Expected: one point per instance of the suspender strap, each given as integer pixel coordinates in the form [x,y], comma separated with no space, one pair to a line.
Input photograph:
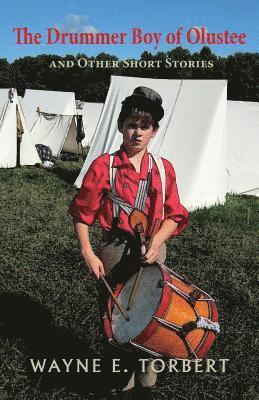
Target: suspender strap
[143,187]
[161,169]
[120,204]
[113,171]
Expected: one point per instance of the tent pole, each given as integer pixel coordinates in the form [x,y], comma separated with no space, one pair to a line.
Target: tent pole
[18,141]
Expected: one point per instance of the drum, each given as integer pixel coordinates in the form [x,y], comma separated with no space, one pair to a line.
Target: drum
[170,317]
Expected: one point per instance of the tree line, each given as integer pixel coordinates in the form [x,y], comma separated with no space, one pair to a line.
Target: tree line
[91,84]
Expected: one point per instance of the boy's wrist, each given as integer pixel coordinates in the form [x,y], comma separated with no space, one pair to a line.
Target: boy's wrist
[157,242]
[87,250]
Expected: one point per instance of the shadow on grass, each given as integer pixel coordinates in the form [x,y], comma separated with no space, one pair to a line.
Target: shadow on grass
[22,317]
[69,176]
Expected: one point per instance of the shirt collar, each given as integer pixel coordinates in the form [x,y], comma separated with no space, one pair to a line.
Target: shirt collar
[121,159]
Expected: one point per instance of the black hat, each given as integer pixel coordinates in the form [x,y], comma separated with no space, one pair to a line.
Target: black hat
[145,99]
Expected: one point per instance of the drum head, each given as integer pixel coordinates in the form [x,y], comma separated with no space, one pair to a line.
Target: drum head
[142,310]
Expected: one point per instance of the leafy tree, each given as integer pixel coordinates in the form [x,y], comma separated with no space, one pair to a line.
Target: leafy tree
[5,74]
[241,73]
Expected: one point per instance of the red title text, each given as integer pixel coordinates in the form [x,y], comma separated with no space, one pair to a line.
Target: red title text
[194,35]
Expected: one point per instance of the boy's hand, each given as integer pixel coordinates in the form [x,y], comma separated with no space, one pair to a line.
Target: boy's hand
[152,255]
[93,263]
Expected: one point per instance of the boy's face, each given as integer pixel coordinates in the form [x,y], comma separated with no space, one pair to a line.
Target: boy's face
[136,135]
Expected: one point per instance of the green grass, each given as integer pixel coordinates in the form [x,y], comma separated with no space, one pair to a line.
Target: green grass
[40,258]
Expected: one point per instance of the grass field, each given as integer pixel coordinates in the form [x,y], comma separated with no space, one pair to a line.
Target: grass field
[48,301]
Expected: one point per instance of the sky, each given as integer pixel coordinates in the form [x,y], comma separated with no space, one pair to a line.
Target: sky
[119,16]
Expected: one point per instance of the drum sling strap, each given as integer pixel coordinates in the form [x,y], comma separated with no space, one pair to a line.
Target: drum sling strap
[143,187]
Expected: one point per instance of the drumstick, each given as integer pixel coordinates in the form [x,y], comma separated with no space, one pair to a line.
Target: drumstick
[118,304]
[153,233]
[136,283]
[134,288]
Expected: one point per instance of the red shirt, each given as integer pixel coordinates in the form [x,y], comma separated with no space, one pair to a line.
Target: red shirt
[92,203]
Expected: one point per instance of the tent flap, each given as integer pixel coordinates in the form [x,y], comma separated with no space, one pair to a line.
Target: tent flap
[9,107]
[242,147]
[50,116]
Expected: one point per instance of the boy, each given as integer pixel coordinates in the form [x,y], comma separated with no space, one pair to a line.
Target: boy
[116,184]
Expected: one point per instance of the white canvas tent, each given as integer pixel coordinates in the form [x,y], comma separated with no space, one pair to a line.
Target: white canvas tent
[192,134]
[51,118]
[243,147]
[12,117]
[91,113]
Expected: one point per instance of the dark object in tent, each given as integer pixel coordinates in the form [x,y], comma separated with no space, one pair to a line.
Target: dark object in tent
[44,152]
[80,129]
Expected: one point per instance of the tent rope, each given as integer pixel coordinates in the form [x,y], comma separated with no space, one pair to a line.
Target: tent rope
[169,120]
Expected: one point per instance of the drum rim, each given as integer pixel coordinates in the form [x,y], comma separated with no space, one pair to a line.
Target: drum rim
[160,311]
[108,315]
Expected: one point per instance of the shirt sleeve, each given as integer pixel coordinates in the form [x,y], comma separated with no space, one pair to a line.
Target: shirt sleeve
[86,204]
[173,209]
